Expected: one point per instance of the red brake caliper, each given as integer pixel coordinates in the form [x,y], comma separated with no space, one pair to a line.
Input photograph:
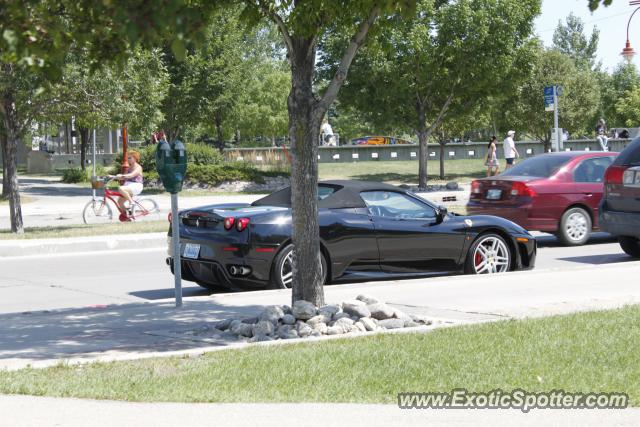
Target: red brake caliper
[478,259]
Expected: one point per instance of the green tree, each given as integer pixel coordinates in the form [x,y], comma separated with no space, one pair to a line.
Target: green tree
[21,102]
[262,107]
[614,88]
[571,41]
[443,63]
[524,109]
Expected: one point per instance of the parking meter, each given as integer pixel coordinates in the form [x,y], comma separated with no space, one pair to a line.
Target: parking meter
[171,164]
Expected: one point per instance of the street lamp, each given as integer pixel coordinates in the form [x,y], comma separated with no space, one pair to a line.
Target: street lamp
[628,53]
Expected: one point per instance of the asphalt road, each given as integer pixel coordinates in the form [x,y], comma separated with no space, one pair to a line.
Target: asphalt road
[50,282]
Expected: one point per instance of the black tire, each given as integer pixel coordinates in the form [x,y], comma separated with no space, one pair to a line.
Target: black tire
[630,245]
[497,260]
[280,268]
[575,227]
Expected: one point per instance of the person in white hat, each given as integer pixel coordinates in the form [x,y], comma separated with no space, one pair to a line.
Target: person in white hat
[510,152]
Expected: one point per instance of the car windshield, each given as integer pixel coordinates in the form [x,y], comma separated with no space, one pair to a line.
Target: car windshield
[539,166]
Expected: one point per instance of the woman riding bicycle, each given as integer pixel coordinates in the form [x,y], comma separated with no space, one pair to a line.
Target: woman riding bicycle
[132,185]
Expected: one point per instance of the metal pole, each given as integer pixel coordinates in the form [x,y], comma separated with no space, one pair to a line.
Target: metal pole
[175,236]
[94,161]
[125,139]
[555,116]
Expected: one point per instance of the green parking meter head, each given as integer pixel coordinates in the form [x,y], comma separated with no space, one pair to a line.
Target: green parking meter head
[179,152]
[166,166]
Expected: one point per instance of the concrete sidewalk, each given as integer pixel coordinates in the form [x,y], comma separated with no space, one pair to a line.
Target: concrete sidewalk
[130,331]
[28,411]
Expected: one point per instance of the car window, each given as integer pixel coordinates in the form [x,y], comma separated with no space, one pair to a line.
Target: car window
[396,205]
[325,191]
[630,155]
[591,170]
[539,166]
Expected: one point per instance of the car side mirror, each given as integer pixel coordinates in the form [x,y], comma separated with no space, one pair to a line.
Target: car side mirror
[441,213]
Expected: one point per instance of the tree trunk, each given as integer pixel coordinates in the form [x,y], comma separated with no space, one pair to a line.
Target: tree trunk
[423,139]
[442,160]
[10,154]
[219,133]
[5,185]
[304,129]
[84,142]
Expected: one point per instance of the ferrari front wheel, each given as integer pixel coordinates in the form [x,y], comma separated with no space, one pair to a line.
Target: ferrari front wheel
[488,254]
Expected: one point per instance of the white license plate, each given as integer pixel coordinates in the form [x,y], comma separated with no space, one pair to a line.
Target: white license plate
[494,194]
[191,250]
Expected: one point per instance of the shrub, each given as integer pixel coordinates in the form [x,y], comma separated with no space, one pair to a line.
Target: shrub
[74,175]
[199,154]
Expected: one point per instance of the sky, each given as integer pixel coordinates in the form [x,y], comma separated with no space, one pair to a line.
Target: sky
[611,21]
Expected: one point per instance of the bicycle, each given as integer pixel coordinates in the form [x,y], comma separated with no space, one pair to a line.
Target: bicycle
[99,210]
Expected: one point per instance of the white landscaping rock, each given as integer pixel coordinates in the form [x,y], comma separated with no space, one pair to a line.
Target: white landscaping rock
[360,326]
[341,315]
[288,319]
[321,328]
[356,308]
[329,310]
[304,310]
[273,313]
[303,329]
[320,318]
[368,324]
[263,327]
[367,299]
[380,311]
[391,323]
[239,328]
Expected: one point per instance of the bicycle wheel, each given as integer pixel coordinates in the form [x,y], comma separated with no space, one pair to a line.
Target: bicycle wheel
[97,212]
[146,210]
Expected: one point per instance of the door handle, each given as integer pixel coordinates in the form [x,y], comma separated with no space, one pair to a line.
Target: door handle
[588,194]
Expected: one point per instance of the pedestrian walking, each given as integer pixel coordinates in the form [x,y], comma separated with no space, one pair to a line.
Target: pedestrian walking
[491,161]
[601,135]
[510,151]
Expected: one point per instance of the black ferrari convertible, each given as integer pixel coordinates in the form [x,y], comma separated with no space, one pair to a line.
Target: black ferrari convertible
[365,228]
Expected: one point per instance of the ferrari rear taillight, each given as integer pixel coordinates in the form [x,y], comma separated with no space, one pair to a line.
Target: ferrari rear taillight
[228,223]
[521,189]
[242,223]
[169,217]
[613,174]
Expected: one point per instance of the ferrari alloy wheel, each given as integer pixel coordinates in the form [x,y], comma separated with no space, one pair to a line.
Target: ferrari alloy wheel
[488,254]
[575,227]
[282,272]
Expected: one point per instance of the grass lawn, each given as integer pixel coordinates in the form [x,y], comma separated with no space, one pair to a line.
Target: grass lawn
[82,230]
[403,171]
[595,351]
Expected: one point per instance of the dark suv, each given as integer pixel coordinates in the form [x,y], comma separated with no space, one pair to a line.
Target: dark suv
[620,205]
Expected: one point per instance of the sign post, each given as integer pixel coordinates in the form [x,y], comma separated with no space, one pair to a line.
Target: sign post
[551,94]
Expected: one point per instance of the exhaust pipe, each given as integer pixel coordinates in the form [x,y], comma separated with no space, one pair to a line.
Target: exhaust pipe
[244,271]
[169,260]
[234,270]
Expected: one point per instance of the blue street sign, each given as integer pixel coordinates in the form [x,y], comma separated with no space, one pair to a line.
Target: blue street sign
[548,91]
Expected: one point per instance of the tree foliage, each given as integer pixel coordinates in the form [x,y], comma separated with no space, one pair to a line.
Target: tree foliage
[524,110]
[570,39]
[444,61]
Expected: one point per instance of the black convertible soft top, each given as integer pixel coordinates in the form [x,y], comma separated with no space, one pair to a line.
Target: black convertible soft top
[346,194]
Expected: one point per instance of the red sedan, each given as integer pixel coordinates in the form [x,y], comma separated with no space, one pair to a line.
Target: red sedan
[556,193]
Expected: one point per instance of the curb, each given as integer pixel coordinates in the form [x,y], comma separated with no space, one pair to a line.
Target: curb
[17,248]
